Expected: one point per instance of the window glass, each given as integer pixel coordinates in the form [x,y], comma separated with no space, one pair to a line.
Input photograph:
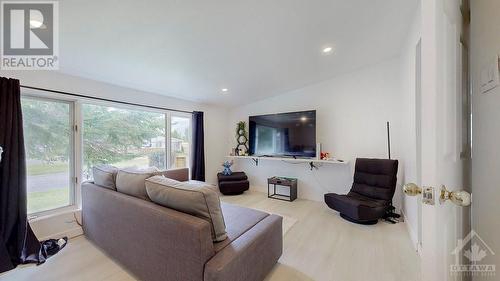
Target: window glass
[179,139]
[122,138]
[48,141]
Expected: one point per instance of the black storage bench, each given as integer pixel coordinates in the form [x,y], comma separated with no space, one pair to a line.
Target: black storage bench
[234,184]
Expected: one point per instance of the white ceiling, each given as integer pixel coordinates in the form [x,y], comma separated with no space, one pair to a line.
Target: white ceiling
[190,49]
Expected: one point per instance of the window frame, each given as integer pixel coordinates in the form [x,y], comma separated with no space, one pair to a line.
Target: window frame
[190,136]
[76,157]
[73,179]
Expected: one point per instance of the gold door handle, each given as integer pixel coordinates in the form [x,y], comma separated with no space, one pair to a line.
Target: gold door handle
[412,189]
[460,198]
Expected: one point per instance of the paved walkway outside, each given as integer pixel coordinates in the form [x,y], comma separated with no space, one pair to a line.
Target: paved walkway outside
[48,182]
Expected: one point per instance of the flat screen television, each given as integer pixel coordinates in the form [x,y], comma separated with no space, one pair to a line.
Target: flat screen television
[290,134]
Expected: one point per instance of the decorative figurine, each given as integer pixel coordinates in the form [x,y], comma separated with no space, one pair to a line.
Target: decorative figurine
[241,138]
[227,168]
[325,156]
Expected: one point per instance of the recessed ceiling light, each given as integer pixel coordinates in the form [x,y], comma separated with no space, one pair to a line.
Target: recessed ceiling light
[303,119]
[224,90]
[327,50]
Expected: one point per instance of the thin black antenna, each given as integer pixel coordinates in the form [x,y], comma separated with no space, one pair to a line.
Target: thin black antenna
[389,139]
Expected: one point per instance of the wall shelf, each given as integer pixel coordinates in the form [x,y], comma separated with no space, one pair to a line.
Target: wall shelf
[311,161]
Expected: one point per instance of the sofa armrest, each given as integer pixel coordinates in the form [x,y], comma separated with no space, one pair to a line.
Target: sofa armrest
[181,174]
[251,256]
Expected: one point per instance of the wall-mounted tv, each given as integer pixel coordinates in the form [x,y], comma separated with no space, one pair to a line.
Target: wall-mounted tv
[290,134]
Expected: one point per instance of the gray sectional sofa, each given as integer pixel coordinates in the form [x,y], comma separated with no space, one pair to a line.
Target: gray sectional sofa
[157,243]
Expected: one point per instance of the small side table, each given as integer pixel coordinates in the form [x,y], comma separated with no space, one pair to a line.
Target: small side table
[291,183]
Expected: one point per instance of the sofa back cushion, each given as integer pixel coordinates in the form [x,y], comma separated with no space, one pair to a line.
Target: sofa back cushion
[131,181]
[195,199]
[105,175]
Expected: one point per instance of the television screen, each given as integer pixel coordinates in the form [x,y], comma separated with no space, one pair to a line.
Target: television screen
[284,134]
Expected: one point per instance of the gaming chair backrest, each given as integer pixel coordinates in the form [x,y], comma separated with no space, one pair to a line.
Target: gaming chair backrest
[375,178]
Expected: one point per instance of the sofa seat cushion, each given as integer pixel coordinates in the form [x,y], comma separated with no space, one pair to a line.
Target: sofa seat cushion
[195,199]
[238,221]
[356,206]
[201,183]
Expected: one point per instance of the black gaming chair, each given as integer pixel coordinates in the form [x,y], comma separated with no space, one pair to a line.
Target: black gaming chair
[371,194]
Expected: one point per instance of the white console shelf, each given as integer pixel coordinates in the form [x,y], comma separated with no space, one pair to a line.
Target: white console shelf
[311,161]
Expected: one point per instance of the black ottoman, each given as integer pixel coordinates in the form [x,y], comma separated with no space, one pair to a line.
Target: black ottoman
[234,184]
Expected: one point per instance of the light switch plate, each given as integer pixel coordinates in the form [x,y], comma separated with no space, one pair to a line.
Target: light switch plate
[428,195]
[490,76]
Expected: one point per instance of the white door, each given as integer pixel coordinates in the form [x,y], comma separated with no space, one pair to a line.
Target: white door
[442,117]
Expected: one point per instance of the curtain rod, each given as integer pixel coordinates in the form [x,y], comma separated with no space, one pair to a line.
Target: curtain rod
[103,99]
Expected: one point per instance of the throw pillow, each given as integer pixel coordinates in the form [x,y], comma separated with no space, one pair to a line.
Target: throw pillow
[195,199]
[132,181]
[105,175]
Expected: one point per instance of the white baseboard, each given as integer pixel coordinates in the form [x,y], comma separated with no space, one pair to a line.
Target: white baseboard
[70,233]
[413,234]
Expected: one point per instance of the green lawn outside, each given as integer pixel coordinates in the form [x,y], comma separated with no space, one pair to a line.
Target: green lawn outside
[46,200]
[138,161]
[60,167]
[42,169]
[59,197]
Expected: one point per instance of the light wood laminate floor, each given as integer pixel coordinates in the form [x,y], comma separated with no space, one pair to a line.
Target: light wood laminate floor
[319,245]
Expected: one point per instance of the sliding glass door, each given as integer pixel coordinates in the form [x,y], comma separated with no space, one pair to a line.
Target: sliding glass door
[48,135]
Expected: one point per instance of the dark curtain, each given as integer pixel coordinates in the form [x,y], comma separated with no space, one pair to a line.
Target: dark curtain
[198,151]
[18,244]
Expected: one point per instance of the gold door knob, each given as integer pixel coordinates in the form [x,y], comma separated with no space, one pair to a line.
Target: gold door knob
[460,197]
[412,189]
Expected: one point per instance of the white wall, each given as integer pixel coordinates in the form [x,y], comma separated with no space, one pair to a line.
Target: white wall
[214,130]
[485,45]
[408,64]
[352,111]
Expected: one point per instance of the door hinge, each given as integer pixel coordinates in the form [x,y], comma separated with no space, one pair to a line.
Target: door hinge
[76,180]
[75,128]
